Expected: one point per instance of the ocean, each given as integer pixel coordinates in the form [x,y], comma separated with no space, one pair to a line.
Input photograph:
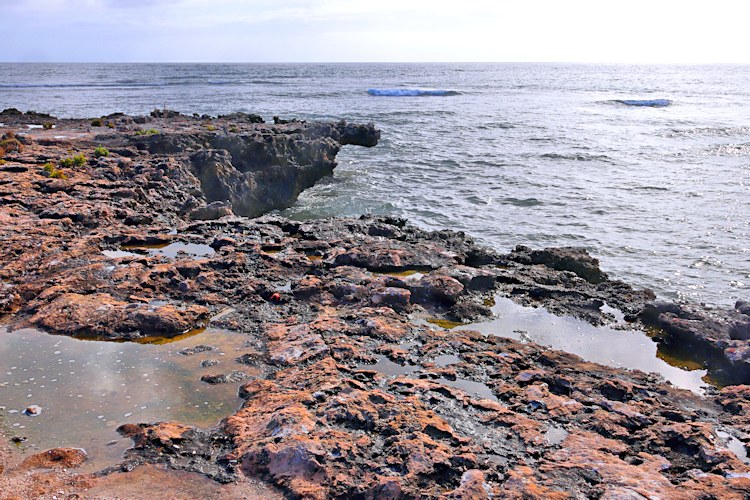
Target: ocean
[534,154]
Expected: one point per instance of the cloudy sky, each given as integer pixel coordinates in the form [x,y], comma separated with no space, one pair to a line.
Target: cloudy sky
[374,30]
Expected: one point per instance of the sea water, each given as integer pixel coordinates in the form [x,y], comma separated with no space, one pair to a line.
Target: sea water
[536,154]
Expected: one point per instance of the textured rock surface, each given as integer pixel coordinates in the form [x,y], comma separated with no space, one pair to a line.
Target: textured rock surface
[343,392]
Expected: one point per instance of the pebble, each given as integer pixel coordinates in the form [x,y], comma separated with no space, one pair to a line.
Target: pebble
[33,410]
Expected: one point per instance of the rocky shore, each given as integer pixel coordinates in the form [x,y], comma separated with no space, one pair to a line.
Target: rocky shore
[123,228]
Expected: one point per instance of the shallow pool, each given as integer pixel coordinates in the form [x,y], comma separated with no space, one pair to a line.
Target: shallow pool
[86,388]
[632,349]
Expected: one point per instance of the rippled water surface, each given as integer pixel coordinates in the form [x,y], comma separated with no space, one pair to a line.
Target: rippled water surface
[516,153]
[86,388]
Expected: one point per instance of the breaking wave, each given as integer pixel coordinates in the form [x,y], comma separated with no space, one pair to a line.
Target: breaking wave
[411,92]
[651,103]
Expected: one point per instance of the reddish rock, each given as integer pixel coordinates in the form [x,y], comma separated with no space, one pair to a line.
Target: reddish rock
[346,399]
[56,458]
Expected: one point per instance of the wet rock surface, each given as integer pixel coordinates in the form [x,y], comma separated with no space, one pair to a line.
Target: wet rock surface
[348,391]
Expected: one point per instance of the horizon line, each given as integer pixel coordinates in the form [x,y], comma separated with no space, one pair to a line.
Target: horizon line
[629,63]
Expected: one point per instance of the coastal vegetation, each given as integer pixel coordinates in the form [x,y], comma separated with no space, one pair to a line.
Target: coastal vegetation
[55,173]
[78,161]
[148,131]
[100,151]
[10,143]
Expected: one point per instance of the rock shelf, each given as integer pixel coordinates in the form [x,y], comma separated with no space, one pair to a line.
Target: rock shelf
[321,303]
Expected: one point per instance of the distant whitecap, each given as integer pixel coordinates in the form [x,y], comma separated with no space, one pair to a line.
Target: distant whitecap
[652,103]
[411,92]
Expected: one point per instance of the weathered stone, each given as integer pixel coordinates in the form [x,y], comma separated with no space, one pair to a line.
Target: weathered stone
[56,458]
[345,396]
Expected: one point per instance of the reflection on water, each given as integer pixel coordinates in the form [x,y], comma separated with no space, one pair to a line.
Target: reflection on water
[734,445]
[447,360]
[88,388]
[618,348]
[167,250]
[388,367]
[469,387]
[117,254]
[555,435]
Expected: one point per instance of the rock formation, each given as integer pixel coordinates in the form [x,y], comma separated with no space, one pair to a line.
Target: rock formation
[354,397]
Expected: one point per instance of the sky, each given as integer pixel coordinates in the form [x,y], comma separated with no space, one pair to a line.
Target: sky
[654,31]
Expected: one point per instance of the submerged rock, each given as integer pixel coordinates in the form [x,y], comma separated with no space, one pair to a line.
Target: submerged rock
[33,410]
[225,378]
[56,458]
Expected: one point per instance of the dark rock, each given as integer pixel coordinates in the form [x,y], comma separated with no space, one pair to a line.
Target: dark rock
[249,359]
[357,134]
[212,211]
[10,112]
[242,117]
[225,378]
[468,310]
[576,260]
[190,351]
[164,113]
[391,297]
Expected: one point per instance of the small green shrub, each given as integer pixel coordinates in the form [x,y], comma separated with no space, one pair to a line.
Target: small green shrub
[100,151]
[48,125]
[96,123]
[110,124]
[9,143]
[52,172]
[78,160]
[210,128]
[149,131]
[233,129]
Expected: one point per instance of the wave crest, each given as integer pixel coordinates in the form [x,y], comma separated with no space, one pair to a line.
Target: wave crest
[411,92]
[651,103]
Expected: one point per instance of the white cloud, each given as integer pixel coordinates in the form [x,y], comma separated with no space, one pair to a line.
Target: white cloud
[386,30]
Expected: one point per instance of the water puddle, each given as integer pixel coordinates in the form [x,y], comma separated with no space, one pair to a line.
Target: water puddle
[172,250]
[616,313]
[469,387]
[616,348]
[118,254]
[445,323]
[734,445]
[447,360]
[155,481]
[555,435]
[86,389]
[409,275]
[388,367]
